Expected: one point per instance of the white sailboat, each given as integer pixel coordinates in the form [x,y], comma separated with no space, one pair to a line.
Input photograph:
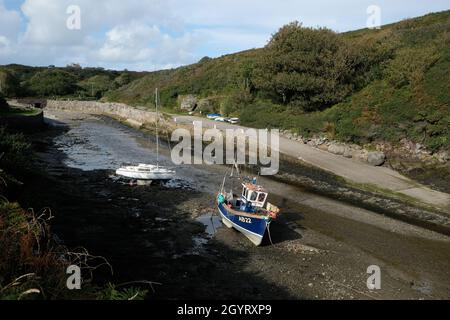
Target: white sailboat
[149,171]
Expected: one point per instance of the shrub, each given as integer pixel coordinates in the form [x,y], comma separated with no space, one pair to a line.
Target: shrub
[9,84]
[13,150]
[235,102]
[311,68]
[53,82]
[410,65]
[97,86]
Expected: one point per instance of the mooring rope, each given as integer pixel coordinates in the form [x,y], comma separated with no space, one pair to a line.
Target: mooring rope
[268,232]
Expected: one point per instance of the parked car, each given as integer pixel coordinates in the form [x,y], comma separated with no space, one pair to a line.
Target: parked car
[221,119]
[213,116]
[234,120]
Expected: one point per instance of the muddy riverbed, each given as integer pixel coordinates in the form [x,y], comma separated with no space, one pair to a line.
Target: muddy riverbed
[168,233]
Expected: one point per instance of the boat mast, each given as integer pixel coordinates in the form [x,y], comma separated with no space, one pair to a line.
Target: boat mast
[157,133]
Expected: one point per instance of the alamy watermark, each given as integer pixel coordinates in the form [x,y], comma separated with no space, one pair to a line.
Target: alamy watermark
[374,19]
[74,280]
[73,22]
[231,146]
[374,281]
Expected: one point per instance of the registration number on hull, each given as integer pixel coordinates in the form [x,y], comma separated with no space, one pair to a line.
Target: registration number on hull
[245,220]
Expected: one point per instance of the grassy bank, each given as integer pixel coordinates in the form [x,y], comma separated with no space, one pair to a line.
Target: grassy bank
[18,111]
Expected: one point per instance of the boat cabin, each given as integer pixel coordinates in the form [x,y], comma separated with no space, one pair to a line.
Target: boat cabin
[254,195]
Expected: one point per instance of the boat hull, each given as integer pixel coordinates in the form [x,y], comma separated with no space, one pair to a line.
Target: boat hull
[145,175]
[253,228]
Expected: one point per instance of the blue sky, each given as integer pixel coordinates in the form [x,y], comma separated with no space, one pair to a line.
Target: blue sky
[159,34]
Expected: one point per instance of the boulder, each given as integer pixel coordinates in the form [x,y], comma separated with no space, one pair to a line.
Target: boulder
[323,147]
[188,102]
[289,135]
[376,158]
[348,153]
[312,143]
[361,155]
[336,149]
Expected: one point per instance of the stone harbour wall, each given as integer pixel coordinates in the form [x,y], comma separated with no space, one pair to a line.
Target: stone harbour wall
[134,116]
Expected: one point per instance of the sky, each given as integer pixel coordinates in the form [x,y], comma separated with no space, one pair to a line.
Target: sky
[148,35]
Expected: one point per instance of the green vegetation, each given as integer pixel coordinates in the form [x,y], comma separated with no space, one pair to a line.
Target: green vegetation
[97,86]
[310,69]
[13,150]
[72,81]
[32,266]
[362,86]
[9,84]
[49,83]
[19,111]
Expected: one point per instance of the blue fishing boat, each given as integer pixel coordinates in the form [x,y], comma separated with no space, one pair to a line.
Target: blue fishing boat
[249,213]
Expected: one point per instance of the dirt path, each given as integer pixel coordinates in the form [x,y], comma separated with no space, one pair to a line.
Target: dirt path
[349,169]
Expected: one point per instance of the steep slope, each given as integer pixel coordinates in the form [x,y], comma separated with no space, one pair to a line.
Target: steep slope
[407,95]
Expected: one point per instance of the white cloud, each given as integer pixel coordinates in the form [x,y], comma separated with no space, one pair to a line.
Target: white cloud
[140,43]
[129,42]
[153,34]
[219,41]
[47,18]
[139,33]
[9,22]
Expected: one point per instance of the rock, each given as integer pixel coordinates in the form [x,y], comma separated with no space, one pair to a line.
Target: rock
[361,155]
[443,156]
[348,153]
[376,158]
[133,123]
[188,102]
[289,136]
[336,149]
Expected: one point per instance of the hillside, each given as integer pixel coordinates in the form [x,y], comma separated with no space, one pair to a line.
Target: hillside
[402,92]
[362,87]
[208,79]
[72,81]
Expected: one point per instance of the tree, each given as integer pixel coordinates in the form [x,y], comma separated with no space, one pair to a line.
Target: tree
[53,82]
[306,67]
[9,84]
